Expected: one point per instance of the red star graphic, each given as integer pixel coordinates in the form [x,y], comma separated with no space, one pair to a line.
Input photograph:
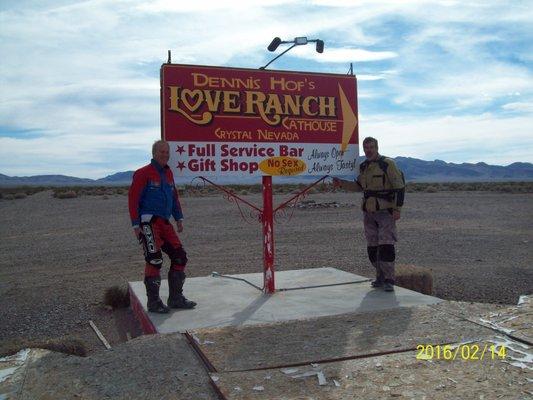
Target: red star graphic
[181,150]
[181,165]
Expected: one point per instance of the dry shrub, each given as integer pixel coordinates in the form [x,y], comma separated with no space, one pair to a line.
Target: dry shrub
[415,187]
[9,196]
[70,346]
[67,346]
[188,191]
[508,189]
[323,188]
[431,189]
[69,194]
[20,195]
[117,297]
[414,278]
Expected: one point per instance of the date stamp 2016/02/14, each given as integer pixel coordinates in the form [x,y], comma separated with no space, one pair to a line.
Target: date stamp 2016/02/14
[464,352]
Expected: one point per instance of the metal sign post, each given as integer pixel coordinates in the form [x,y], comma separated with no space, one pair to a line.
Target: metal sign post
[267,219]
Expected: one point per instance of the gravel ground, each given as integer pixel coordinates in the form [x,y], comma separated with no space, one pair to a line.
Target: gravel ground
[59,256]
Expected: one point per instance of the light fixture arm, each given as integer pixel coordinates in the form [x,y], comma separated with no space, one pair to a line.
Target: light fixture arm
[279,55]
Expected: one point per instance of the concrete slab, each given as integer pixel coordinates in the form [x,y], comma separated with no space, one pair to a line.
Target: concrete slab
[228,302]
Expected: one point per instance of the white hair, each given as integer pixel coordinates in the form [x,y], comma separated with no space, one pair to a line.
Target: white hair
[156,144]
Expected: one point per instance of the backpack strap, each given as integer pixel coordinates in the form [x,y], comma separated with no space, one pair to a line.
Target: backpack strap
[383,164]
[400,193]
[363,166]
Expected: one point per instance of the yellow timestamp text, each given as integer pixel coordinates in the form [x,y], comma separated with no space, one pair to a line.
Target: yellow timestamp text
[464,352]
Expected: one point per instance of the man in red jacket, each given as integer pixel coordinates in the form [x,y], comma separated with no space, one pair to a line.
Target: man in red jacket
[152,199]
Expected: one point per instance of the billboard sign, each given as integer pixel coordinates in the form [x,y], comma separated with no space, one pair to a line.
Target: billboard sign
[235,122]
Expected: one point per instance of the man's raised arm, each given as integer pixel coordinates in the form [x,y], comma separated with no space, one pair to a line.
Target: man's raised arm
[351,186]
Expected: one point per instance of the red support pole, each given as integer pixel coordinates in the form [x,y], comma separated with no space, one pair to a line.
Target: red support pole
[267,218]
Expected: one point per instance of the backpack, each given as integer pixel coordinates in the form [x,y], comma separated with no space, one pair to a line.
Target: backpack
[389,193]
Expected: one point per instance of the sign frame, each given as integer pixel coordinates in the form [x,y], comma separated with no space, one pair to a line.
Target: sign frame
[343,157]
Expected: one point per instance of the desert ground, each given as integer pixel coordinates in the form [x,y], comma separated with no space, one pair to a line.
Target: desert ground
[60,255]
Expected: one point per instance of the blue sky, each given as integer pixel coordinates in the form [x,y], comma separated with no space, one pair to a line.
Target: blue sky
[79,81]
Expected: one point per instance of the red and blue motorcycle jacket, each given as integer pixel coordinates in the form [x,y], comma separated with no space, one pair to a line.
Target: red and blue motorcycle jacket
[152,192]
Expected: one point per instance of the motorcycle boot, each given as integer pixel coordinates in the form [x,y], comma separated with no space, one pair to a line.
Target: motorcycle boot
[155,304]
[176,299]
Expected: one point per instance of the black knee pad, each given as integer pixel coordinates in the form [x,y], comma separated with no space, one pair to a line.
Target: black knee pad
[372,253]
[154,259]
[152,255]
[387,252]
[177,256]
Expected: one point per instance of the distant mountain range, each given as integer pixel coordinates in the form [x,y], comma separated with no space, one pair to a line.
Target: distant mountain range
[120,178]
[415,170]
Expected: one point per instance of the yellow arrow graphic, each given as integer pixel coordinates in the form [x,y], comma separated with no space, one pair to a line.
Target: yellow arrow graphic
[349,120]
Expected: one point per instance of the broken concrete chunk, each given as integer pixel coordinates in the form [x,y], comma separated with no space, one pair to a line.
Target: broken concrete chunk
[289,371]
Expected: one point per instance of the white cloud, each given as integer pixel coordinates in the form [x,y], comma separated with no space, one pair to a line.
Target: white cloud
[476,85]
[485,137]
[343,55]
[519,106]
[85,74]
[367,77]
[208,5]
[87,156]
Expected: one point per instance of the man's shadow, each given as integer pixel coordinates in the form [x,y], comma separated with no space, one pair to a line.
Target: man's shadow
[386,318]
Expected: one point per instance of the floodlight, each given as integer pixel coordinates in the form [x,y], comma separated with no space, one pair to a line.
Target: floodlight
[274,44]
[319,46]
[298,41]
